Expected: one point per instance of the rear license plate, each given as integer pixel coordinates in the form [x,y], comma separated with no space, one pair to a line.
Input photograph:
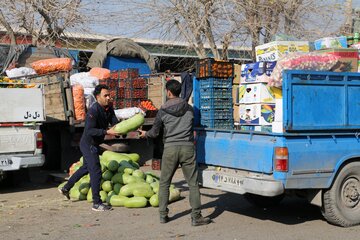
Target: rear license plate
[5,161]
[227,179]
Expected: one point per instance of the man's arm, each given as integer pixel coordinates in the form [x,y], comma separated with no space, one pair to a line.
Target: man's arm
[155,129]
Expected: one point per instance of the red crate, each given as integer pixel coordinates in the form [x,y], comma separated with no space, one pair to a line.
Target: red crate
[111,83]
[114,75]
[131,93]
[126,103]
[132,83]
[129,73]
[113,94]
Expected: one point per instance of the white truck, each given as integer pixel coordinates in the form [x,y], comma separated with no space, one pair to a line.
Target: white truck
[22,111]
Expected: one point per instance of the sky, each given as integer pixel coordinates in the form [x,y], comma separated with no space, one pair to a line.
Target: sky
[109,10]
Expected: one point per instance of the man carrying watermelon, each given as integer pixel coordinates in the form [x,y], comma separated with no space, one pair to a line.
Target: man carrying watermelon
[98,118]
[176,118]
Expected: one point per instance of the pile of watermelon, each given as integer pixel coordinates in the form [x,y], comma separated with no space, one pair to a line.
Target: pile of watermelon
[123,183]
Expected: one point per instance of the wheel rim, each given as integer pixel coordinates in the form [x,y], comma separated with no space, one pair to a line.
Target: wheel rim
[350,192]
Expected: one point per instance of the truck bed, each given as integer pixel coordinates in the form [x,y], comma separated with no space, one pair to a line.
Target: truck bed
[321,132]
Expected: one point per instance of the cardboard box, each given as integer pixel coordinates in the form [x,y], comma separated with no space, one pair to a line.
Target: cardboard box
[278,109]
[256,114]
[348,61]
[277,127]
[256,72]
[272,51]
[331,42]
[237,73]
[258,93]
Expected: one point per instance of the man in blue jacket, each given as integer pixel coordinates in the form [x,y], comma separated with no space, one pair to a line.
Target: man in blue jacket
[98,118]
[176,117]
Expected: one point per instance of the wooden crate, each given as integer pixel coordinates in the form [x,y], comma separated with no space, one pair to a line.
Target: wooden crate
[58,96]
[156,92]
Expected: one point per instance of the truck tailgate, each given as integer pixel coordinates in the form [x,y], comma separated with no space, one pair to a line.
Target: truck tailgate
[22,105]
[17,140]
[235,149]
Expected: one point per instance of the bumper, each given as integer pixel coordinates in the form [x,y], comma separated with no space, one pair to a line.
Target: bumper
[240,182]
[17,162]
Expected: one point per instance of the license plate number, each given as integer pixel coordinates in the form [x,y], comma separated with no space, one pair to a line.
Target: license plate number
[5,161]
[226,179]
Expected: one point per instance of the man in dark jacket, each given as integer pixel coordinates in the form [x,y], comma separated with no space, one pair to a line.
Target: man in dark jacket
[98,118]
[176,117]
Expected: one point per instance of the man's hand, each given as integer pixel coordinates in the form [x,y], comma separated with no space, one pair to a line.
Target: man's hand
[142,134]
[112,132]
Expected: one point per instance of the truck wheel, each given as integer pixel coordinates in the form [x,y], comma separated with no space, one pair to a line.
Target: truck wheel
[263,201]
[341,203]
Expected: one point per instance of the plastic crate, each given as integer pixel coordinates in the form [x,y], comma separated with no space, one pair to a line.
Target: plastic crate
[216,83]
[111,83]
[132,93]
[125,74]
[215,93]
[126,103]
[215,103]
[133,83]
[210,67]
[219,124]
[225,113]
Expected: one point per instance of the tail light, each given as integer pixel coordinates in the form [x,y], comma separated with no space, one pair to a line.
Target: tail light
[281,159]
[39,142]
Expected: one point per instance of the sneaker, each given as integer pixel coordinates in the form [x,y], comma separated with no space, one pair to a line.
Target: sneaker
[164,219]
[65,192]
[101,207]
[200,221]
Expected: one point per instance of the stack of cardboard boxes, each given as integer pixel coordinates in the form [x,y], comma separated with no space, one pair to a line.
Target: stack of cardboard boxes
[260,106]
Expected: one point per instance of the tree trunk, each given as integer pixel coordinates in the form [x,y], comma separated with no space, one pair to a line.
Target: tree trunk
[8,28]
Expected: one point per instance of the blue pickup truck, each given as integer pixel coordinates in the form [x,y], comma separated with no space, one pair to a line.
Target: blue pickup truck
[316,156]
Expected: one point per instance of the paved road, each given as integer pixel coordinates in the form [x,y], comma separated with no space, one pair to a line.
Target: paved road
[36,211]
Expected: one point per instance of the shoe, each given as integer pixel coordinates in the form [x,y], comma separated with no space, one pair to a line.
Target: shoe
[164,219]
[101,207]
[65,192]
[200,221]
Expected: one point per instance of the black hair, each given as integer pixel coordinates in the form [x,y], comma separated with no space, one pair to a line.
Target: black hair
[98,89]
[174,87]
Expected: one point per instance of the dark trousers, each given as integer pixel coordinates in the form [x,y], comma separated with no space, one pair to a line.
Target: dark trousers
[91,165]
[172,157]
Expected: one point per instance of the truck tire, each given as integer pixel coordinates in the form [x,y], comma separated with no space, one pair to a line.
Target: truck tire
[263,201]
[341,203]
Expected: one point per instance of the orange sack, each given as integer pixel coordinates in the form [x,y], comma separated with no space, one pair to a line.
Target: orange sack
[52,65]
[79,102]
[100,73]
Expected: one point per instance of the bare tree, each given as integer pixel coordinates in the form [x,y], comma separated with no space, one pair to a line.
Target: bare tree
[205,24]
[44,20]
[295,19]
[346,28]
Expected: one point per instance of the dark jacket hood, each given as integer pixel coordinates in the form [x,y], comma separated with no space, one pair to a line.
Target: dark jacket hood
[176,107]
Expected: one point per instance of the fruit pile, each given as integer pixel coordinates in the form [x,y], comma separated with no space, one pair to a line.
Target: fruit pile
[123,184]
[149,108]
[12,83]
[147,105]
